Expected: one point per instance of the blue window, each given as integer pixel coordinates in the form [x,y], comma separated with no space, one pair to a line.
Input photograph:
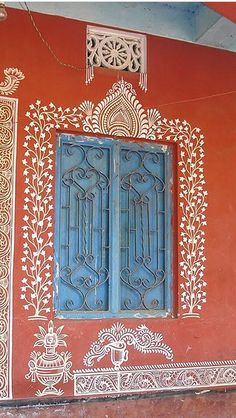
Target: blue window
[113,255]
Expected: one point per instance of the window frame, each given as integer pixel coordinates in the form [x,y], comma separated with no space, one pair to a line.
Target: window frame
[114,286]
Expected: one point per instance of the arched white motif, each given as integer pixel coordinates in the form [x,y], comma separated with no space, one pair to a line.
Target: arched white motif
[13,76]
[119,114]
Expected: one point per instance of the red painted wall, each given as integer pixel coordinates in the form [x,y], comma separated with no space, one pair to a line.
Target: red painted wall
[227,9]
[177,72]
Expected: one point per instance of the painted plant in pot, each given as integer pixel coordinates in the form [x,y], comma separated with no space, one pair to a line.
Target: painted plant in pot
[50,367]
[117,339]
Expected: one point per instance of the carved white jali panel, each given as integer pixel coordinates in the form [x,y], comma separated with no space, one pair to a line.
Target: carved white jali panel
[118,114]
[8,115]
[116,50]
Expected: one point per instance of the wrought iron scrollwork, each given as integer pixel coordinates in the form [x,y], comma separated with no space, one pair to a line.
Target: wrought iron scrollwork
[85,231]
[90,196]
[142,227]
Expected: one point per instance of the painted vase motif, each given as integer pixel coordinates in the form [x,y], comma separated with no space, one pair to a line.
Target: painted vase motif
[117,339]
[50,367]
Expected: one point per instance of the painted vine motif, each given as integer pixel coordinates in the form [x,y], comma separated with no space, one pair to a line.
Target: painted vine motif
[119,114]
[192,201]
[36,290]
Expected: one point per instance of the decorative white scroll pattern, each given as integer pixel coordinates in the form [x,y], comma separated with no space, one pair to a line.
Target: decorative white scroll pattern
[8,115]
[50,367]
[36,290]
[118,114]
[13,77]
[121,114]
[116,50]
[117,339]
[155,378]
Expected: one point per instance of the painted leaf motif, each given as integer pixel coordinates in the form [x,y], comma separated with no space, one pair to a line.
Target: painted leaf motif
[38,343]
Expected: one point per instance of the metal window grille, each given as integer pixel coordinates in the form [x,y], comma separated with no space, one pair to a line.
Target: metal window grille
[113,228]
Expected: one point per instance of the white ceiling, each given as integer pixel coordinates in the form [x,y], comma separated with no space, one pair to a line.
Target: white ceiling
[189,21]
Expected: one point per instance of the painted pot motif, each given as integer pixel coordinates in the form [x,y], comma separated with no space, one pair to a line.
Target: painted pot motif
[50,367]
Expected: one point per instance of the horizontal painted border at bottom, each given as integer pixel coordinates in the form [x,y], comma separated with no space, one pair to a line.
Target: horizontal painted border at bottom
[156,378]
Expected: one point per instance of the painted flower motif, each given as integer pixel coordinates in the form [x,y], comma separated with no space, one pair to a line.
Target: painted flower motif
[50,338]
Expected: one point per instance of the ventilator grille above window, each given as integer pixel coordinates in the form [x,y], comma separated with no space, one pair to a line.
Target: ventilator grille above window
[117,50]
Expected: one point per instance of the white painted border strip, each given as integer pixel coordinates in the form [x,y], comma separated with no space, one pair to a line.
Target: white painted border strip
[12,248]
[11,174]
[156,378]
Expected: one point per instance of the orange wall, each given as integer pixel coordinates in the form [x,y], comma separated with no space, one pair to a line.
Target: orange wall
[177,71]
[227,9]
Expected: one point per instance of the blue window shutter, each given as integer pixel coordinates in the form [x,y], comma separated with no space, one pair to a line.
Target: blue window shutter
[84,226]
[113,228]
[142,214]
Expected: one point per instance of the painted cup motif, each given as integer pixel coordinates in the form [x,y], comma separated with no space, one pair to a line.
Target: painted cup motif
[119,354]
